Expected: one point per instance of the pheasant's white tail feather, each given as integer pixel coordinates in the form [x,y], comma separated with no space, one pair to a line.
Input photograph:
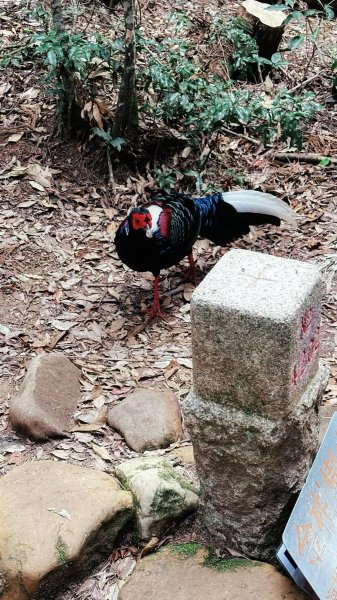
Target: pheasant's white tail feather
[250,201]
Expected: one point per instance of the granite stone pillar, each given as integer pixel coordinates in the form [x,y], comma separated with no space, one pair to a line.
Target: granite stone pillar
[257,383]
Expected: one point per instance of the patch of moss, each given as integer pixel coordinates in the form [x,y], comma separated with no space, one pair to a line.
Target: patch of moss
[123,480]
[146,467]
[167,472]
[188,549]
[228,564]
[211,560]
[61,550]
[166,501]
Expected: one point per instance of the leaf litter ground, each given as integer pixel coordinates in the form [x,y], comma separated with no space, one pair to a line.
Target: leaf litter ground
[62,285]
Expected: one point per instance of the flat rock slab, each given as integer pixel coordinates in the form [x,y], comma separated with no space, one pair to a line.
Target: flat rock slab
[56,520]
[148,419]
[45,405]
[173,575]
[184,454]
[161,494]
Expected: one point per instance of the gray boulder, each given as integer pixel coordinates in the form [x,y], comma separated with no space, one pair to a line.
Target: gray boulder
[161,494]
[148,419]
[56,520]
[47,400]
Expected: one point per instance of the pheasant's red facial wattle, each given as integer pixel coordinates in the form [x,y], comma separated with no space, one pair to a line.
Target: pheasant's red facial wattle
[141,220]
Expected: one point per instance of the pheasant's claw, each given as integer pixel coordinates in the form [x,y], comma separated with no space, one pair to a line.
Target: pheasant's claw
[155,312]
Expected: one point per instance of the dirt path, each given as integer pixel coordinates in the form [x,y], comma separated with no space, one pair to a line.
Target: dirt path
[62,285]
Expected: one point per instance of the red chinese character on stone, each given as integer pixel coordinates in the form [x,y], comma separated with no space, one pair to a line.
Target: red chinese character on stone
[294,376]
[311,349]
[304,361]
[306,321]
[316,338]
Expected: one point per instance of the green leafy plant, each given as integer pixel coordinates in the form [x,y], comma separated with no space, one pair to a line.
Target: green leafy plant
[325,161]
[179,93]
[325,10]
[180,20]
[287,112]
[244,55]
[110,141]
[76,53]
[304,16]
[166,178]
[237,177]
[16,57]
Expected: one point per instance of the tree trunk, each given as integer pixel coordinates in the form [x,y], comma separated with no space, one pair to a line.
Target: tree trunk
[56,11]
[70,109]
[126,116]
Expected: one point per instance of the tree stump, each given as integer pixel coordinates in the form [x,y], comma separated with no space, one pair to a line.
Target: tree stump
[263,25]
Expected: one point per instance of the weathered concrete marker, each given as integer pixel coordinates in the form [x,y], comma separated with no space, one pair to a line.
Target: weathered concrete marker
[257,384]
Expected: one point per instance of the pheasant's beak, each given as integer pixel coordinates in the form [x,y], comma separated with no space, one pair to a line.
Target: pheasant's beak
[148,231]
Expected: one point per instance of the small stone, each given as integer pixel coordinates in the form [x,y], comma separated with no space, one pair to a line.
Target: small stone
[55,521]
[148,419]
[187,571]
[45,405]
[161,494]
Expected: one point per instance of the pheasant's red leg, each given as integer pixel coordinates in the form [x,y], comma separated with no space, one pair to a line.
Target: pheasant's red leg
[192,272]
[155,310]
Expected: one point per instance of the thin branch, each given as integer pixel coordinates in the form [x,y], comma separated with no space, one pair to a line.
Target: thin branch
[111,175]
[310,158]
[90,232]
[313,52]
[242,135]
[305,82]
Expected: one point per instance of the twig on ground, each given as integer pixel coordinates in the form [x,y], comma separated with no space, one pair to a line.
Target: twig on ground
[312,159]
[304,83]
[243,135]
[90,232]
[111,175]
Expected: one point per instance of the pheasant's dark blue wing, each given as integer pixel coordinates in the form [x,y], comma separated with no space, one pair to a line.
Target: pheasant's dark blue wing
[218,219]
[228,215]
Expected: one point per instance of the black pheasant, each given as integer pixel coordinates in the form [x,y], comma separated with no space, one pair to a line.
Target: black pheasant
[159,234]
